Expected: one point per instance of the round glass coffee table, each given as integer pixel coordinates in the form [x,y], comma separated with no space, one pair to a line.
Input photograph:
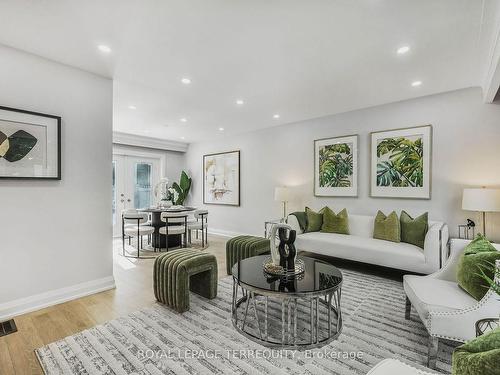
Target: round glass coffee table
[296,312]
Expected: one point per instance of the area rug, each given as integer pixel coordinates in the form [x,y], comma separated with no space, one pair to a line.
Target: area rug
[158,340]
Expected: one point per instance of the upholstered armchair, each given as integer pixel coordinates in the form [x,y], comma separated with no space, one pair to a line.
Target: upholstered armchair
[447,311]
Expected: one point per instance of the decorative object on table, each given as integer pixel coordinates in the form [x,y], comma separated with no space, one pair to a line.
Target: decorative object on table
[221,178]
[482,200]
[467,231]
[241,247]
[287,250]
[282,194]
[30,145]
[478,356]
[268,225]
[486,325]
[273,238]
[336,166]
[177,272]
[162,193]
[401,163]
[283,260]
[181,189]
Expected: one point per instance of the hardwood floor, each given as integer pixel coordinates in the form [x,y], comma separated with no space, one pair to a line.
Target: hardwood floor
[133,291]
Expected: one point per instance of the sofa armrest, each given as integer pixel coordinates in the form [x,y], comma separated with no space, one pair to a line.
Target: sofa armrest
[460,325]
[294,223]
[435,245]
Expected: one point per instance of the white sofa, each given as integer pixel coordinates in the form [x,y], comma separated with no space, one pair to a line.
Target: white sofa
[360,245]
[447,311]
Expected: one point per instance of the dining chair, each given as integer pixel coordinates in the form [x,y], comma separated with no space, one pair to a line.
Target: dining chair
[175,223]
[200,224]
[133,225]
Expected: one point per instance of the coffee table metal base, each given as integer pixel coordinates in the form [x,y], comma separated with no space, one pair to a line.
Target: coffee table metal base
[319,316]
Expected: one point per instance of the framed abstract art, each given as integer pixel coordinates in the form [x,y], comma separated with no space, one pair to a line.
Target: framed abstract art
[336,166]
[30,145]
[401,163]
[221,178]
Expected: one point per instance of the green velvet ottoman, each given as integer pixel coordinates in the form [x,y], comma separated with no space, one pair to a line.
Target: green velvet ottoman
[242,247]
[480,356]
[177,272]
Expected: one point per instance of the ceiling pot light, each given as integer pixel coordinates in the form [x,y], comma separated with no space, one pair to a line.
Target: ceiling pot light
[183,138]
[104,48]
[416,83]
[186,80]
[402,50]
[240,102]
[183,119]
[276,116]
[132,107]
[221,129]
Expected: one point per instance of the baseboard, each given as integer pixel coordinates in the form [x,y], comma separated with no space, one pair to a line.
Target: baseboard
[227,233]
[39,301]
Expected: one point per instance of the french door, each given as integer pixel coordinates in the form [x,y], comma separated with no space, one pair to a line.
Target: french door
[134,179]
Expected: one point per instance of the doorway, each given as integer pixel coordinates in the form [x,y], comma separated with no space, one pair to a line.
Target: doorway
[134,178]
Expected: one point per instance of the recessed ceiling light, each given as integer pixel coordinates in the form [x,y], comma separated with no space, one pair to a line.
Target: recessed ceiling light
[186,80]
[183,137]
[402,50]
[104,48]
[276,116]
[221,129]
[416,83]
[183,119]
[240,102]
[132,107]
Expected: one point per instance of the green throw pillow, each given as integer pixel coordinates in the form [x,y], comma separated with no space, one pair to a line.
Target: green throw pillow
[301,218]
[413,231]
[478,356]
[335,223]
[314,220]
[478,255]
[387,227]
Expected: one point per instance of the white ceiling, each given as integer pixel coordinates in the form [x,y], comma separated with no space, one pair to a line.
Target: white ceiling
[299,58]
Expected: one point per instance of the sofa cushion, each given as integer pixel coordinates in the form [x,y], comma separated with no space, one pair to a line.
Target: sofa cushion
[387,227]
[314,220]
[414,230]
[335,223]
[479,255]
[431,294]
[362,249]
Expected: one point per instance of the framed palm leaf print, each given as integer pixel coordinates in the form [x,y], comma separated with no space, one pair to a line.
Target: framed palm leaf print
[401,163]
[336,166]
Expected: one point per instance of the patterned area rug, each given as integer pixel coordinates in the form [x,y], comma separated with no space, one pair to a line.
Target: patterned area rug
[157,340]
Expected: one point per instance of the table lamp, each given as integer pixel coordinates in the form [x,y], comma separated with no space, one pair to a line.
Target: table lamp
[482,200]
[282,194]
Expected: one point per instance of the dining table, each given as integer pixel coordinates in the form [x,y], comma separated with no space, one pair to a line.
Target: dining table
[160,240]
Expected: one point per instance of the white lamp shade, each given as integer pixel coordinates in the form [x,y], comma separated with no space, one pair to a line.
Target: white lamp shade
[484,200]
[281,194]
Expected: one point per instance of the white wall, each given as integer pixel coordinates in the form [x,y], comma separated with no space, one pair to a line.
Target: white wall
[466,152]
[56,235]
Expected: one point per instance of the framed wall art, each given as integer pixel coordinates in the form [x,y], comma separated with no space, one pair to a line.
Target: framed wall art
[401,163]
[30,145]
[336,166]
[221,178]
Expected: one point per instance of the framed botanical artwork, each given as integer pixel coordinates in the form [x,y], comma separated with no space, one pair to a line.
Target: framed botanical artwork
[336,166]
[221,178]
[401,163]
[30,145]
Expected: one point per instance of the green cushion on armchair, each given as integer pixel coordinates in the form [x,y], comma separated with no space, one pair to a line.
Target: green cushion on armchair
[387,227]
[479,255]
[478,356]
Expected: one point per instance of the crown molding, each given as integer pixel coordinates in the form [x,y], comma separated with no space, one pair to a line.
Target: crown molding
[148,142]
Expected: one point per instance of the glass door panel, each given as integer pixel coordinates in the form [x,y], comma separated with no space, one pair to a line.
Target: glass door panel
[142,186]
